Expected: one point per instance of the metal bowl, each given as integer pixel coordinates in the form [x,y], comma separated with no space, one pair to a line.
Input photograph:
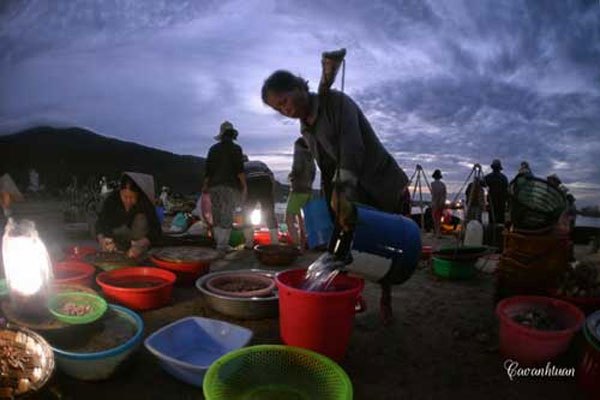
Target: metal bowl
[237,307]
[34,372]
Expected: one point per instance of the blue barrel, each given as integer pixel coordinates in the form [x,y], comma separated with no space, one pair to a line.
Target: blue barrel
[388,235]
[318,223]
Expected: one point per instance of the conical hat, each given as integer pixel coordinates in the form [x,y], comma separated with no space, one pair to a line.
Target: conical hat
[145,182]
[8,185]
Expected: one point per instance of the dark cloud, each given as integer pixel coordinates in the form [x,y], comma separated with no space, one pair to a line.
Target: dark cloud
[445,83]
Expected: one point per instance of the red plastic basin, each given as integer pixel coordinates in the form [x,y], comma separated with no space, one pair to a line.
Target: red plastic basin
[139,288]
[186,272]
[73,272]
[530,346]
[78,252]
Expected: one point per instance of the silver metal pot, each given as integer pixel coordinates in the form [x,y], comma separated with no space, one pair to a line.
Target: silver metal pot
[237,307]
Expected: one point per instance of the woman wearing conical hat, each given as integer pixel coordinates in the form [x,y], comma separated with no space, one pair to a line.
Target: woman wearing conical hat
[128,220]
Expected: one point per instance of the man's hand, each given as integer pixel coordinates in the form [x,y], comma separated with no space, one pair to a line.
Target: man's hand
[344,210]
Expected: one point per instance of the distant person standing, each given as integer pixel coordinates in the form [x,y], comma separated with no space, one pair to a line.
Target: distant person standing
[301,180]
[261,183]
[497,184]
[225,180]
[438,200]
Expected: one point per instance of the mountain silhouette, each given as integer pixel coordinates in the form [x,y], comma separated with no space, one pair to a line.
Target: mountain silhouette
[59,154]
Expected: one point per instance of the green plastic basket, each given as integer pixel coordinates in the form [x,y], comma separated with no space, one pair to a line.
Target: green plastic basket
[453,269]
[275,372]
[97,303]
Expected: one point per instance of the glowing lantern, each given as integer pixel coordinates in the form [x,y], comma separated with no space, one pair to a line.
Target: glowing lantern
[255,217]
[27,267]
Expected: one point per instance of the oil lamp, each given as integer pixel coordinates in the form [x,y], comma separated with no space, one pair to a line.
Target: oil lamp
[28,270]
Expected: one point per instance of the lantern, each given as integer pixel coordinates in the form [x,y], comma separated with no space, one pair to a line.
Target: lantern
[28,269]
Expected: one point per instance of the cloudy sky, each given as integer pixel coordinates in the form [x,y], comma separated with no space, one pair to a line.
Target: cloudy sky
[445,83]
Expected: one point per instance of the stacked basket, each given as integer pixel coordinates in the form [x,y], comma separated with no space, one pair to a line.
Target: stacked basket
[534,254]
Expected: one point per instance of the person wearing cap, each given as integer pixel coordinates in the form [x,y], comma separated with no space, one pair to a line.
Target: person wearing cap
[224,179]
[355,166]
[128,221]
[497,185]
[438,200]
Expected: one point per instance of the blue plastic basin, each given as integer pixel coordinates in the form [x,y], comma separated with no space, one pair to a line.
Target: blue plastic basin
[188,347]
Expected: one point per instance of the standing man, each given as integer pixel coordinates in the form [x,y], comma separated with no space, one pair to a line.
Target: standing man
[260,182]
[438,200]
[224,179]
[348,153]
[301,179]
[497,185]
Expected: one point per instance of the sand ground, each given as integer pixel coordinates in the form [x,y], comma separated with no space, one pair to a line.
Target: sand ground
[442,345]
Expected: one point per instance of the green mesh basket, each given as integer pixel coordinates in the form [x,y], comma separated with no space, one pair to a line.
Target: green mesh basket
[535,204]
[275,372]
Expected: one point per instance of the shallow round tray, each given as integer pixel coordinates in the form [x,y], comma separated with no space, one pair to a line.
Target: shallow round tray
[48,323]
[184,254]
[214,284]
[241,308]
[108,261]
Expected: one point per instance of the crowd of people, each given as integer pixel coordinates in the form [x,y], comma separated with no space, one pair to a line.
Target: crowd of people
[497,200]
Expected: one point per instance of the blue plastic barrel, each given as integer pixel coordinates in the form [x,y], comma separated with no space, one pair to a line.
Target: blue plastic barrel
[388,235]
[318,223]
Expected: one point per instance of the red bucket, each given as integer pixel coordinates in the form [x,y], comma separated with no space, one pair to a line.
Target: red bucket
[531,346]
[589,369]
[73,272]
[318,321]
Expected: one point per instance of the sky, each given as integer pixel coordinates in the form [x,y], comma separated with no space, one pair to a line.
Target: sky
[445,84]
